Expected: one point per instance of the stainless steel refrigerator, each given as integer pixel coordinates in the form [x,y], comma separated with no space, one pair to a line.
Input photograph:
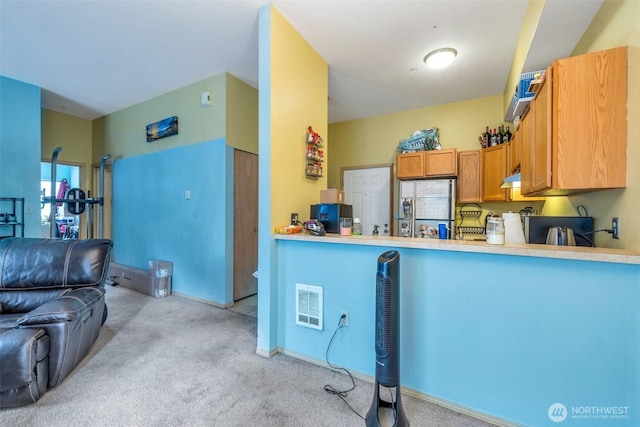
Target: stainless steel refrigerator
[424,204]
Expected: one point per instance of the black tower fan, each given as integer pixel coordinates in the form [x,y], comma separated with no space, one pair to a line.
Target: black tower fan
[387,341]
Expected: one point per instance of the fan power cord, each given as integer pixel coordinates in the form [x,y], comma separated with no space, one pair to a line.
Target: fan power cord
[341,394]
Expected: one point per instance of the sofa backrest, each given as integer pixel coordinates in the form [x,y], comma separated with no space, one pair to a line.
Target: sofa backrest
[38,264]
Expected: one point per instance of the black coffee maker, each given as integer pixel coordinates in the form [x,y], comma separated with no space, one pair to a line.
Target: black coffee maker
[329,215]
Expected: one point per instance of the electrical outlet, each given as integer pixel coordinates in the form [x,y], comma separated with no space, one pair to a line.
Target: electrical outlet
[615,225]
[345,320]
[294,218]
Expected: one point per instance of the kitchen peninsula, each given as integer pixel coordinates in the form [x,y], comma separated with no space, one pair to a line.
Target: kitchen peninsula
[581,253]
[500,332]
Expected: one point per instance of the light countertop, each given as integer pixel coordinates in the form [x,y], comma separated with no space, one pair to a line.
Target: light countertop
[580,253]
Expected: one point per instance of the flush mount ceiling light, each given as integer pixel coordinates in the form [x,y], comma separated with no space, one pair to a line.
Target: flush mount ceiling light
[440,58]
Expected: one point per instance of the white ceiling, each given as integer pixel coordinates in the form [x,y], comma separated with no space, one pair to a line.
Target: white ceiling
[94,57]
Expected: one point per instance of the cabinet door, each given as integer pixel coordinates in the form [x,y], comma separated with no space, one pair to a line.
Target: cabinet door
[410,165]
[469,177]
[494,171]
[515,154]
[541,143]
[526,145]
[590,120]
[441,162]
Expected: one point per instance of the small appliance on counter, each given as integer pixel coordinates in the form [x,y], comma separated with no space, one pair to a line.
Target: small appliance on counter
[536,229]
[561,236]
[329,214]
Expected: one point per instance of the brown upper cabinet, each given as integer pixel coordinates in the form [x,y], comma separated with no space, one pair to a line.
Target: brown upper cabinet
[427,164]
[574,138]
[494,171]
[475,176]
[469,181]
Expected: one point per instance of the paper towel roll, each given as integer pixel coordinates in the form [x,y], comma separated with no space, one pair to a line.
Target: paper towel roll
[513,232]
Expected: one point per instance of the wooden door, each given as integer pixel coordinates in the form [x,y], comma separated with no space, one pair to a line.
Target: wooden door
[245,224]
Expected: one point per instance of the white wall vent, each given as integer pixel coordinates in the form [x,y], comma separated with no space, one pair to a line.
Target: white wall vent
[309,306]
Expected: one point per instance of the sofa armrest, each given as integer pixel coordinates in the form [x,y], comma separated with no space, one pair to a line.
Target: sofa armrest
[24,366]
[73,322]
[65,308]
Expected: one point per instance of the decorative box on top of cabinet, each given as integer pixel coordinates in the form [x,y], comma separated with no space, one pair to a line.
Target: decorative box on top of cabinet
[578,126]
[427,164]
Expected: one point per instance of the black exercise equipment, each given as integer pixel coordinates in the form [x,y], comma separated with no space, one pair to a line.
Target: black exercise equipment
[76,199]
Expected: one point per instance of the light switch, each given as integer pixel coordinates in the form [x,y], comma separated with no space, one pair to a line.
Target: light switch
[205,99]
[187,194]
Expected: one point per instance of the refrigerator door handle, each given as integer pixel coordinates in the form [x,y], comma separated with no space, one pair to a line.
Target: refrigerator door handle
[412,232]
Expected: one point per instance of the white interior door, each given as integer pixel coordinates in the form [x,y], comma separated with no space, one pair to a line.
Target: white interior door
[368,190]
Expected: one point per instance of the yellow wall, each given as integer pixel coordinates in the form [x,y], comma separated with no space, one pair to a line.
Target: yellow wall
[242,115]
[374,140]
[299,90]
[73,135]
[122,134]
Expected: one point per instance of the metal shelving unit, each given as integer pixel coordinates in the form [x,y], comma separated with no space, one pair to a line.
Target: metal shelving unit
[470,212]
[12,219]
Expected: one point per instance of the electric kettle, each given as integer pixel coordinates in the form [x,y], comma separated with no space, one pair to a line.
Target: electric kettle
[562,236]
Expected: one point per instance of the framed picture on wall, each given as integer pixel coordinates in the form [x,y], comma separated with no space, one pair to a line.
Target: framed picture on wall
[162,129]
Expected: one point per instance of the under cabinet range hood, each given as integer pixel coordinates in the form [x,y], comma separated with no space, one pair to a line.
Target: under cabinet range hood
[511,181]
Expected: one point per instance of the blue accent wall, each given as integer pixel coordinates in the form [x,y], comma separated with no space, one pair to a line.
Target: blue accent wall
[504,335]
[20,137]
[153,220]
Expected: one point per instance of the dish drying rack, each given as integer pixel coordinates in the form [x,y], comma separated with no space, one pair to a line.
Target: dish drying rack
[470,212]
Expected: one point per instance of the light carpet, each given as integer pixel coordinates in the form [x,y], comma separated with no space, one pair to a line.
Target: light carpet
[178,362]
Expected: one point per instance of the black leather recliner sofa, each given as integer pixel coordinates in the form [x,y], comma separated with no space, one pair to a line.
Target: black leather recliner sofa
[51,310]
